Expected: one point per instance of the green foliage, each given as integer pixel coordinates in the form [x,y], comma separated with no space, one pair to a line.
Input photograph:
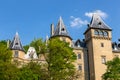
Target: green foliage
[26,47]
[59,57]
[113,70]
[39,45]
[32,71]
[5,53]
[60,60]
[8,71]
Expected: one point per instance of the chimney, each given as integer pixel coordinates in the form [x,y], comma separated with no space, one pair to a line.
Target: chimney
[52,29]
[8,43]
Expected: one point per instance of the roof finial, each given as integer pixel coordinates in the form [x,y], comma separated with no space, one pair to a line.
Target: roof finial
[60,18]
[16,33]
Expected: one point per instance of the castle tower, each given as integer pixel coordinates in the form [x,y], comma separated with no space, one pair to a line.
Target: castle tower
[60,31]
[17,48]
[99,48]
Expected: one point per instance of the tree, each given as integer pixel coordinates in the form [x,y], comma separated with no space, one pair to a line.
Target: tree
[39,45]
[5,53]
[8,71]
[32,71]
[60,59]
[26,47]
[113,70]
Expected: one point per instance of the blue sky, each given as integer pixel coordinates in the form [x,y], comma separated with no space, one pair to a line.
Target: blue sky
[32,18]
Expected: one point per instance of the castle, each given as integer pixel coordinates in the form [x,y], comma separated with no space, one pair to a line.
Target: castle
[92,52]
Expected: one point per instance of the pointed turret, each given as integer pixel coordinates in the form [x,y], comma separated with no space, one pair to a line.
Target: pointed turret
[97,22]
[60,29]
[16,43]
[61,32]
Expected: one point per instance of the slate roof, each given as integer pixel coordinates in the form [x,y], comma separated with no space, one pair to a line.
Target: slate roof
[116,46]
[97,22]
[78,43]
[60,29]
[16,43]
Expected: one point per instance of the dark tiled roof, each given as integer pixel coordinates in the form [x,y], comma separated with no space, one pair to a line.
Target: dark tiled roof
[97,22]
[79,43]
[116,46]
[16,44]
[60,29]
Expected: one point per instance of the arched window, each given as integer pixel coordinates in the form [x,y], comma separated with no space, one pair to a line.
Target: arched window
[100,33]
[105,33]
[96,32]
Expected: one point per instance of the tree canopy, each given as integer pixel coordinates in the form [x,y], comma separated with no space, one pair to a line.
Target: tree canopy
[5,53]
[113,70]
[59,58]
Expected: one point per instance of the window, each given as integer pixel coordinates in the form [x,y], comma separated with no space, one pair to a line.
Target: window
[16,54]
[100,33]
[99,23]
[102,44]
[16,43]
[119,45]
[64,39]
[79,56]
[96,32]
[103,58]
[80,67]
[62,29]
[105,33]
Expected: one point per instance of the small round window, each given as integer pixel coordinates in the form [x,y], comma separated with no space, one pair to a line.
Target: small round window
[105,33]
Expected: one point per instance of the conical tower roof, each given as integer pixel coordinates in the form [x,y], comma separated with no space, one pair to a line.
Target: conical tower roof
[16,43]
[60,28]
[97,22]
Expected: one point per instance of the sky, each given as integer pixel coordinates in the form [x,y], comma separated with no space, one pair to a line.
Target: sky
[32,18]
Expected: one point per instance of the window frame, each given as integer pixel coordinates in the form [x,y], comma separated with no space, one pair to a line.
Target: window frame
[79,67]
[103,59]
[79,56]
[105,34]
[16,54]
[100,32]
[96,32]
[102,44]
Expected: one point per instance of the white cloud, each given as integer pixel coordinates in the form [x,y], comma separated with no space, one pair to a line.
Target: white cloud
[77,22]
[99,12]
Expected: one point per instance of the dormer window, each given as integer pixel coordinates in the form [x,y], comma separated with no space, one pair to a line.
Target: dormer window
[62,29]
[16,43]
[99,23]
[118,45]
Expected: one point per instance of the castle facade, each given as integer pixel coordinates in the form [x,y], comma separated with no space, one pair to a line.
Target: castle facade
[92,53]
